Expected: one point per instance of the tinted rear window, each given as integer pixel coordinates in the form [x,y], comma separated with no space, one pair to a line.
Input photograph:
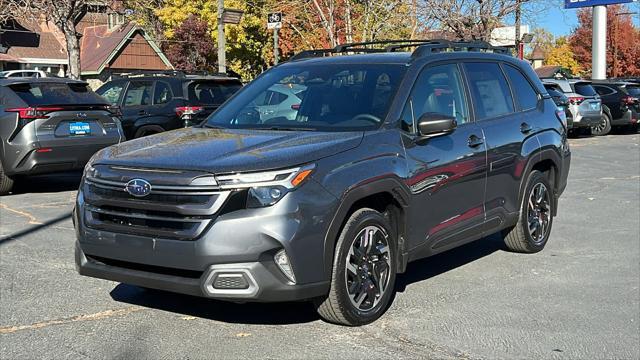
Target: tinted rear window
[212,92]
[584,89]
[35,94]
[633,90]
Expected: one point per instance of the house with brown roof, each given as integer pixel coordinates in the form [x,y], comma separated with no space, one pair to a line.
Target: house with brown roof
[108,46]
[537,57]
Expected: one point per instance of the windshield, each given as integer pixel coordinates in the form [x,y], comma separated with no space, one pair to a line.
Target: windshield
[328,97]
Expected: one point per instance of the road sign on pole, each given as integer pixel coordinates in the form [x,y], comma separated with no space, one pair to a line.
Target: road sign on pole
[573,4]
[274,20]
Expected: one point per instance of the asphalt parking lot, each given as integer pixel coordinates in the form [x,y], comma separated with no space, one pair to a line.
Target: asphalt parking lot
[579,298]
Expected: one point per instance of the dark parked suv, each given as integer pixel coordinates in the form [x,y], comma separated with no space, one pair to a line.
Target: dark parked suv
[153,103]
[620,105]
[49,125]
[391,157]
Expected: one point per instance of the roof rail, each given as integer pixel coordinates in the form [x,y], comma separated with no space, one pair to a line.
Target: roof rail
[173,73]
[445,45]
[423,48]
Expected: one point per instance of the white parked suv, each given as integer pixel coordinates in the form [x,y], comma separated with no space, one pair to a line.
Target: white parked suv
[23,73]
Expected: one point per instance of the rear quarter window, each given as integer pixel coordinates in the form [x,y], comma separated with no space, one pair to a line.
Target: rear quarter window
[35,94]
[584,89]
[525,95]
[633,90]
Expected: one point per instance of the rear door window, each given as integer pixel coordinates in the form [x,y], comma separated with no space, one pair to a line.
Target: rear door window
[212,92]
[138,93]
[162,93]
[489,90]
[584,89]
[50,93]
[525,95]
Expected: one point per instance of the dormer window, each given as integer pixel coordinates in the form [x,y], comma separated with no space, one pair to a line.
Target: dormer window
[115,20]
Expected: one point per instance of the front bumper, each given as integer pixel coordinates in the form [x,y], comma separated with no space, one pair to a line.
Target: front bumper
[238,243]
[266,285]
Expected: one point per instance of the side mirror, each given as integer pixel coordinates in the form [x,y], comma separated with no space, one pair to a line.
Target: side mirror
[432,124]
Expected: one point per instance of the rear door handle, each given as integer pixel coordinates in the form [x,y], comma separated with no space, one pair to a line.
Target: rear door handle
[142,112]
[474,141]
[525,128]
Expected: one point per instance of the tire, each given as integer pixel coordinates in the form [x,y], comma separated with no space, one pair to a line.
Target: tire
[520,238]
[148,130]
[6,183]
[339,307]
[604,127]
[633,128]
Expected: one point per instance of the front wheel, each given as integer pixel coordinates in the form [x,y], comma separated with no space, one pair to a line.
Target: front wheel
[363,276]
[603,127]
[532,231]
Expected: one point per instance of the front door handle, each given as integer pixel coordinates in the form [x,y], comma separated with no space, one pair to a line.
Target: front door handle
[525,128]
[474,141]
[142,112]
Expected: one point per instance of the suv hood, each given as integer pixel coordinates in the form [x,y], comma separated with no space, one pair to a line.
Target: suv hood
[227,150]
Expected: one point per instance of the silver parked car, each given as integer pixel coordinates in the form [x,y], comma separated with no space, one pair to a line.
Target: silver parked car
[49,125]
[584,103]
[280,102]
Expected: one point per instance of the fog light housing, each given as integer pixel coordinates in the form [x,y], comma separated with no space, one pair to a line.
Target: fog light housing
[282,260]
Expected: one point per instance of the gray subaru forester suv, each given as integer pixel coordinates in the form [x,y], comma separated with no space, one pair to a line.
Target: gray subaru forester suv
[391,157]
[49,125]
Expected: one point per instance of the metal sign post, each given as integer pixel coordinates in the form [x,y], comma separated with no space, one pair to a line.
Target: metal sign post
[274,21]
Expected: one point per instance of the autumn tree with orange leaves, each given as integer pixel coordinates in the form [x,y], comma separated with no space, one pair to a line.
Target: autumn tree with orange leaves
[623,42]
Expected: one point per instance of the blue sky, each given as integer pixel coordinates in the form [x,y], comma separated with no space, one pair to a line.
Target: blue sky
[560,21]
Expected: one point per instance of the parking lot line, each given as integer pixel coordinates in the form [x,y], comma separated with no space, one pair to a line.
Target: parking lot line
[88,317]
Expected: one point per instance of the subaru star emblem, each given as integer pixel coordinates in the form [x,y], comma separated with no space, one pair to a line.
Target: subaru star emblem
[81,115]
[138,187]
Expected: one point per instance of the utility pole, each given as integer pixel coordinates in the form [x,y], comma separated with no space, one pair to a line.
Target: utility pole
[599,43]
[518,35]
[222,58]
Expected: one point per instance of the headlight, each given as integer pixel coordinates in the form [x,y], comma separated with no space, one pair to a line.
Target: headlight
[268,187]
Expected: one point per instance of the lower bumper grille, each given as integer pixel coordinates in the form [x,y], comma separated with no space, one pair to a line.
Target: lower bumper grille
[192,274]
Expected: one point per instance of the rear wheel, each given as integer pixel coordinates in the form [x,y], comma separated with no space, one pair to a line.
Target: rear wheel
[363,276]
[603,127]
[6,183]
[148,130]
[532,231]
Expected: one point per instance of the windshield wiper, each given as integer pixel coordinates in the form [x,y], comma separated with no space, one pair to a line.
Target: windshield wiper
[284,128]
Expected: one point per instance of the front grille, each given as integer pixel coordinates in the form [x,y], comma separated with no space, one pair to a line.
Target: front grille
[179,212]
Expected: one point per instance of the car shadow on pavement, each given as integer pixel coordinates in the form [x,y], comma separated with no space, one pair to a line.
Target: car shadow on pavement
[244,313]
[50,183]
[438,264]
[294,312]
